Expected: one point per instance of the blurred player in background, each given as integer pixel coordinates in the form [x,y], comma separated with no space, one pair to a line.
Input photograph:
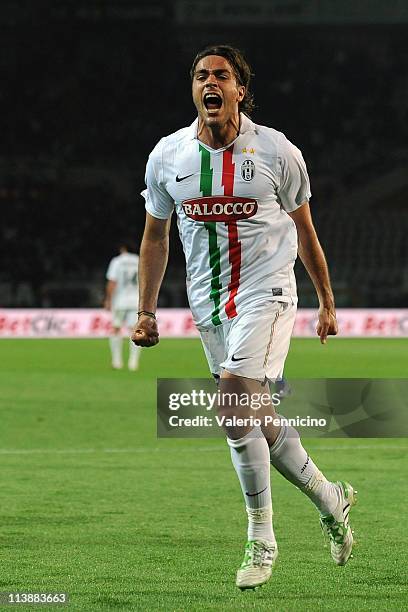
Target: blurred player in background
[241,194]
[121,298]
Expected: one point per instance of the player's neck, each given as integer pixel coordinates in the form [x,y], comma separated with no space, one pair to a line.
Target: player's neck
[218,136]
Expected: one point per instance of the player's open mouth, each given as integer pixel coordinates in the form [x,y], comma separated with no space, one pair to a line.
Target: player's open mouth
[212,101]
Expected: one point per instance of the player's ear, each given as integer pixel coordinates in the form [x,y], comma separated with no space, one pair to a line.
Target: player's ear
[241,93]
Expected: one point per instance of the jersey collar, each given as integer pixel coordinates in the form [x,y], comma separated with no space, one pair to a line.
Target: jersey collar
[247,125]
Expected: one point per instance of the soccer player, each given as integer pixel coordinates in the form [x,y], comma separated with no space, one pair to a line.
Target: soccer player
[121,298]
[241,195]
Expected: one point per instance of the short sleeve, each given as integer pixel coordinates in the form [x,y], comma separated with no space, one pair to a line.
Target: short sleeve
[112,272]
[158,202]
[294,186]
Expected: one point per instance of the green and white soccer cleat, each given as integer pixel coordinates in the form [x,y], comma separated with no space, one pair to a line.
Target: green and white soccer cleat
[336,526]
[256,568]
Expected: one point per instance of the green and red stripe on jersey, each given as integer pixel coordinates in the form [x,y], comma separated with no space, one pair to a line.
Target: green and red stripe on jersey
[234,245]
[206,178]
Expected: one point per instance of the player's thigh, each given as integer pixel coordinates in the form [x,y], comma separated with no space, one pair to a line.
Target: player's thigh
[258,340]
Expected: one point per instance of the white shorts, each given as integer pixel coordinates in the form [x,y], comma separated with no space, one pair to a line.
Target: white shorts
[124,317]
[254,344]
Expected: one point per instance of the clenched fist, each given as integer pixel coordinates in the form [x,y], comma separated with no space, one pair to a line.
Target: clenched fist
[145,332]
[327,324]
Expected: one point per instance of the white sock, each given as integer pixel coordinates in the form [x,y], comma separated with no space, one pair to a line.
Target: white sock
[250,457]
[134,355]
[290,458]
[116,351]
[260,524]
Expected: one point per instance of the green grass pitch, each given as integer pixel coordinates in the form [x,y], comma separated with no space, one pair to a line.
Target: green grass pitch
[92,503]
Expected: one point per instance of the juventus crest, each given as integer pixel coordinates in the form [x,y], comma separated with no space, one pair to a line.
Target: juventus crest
[248,170]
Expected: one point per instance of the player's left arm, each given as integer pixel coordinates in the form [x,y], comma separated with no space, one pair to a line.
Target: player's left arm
[314,260]
[109,291]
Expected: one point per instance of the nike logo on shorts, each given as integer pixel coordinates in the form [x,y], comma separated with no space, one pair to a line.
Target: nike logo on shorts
[233,358]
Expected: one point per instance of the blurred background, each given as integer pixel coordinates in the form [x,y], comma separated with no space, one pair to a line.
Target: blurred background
[88,87]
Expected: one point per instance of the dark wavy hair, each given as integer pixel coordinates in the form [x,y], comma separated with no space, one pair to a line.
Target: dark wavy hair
[241,68]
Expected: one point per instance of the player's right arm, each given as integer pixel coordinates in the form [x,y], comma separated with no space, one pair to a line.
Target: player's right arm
[154,248]
[154,252]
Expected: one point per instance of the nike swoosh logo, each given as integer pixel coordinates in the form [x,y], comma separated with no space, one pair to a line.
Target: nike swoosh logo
[182,178]
[253,494]
[233,358]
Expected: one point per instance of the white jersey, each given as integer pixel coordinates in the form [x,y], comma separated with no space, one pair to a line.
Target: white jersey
[123,270]
[231,204]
